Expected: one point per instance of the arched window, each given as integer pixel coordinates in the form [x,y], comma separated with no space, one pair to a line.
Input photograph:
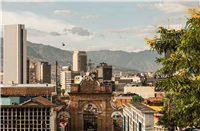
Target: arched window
[90,117]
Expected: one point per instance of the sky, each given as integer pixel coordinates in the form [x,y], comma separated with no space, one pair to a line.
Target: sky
[89,26]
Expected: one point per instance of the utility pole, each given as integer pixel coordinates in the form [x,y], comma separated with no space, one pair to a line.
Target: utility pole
[56,77]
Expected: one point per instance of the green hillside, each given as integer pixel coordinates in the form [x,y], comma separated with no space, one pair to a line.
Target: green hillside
[141,61]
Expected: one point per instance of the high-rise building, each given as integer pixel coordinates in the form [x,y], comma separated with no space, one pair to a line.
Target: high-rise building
[43,72]
[1,77]
[28,71]
[15,54]
[32,73]
[80,61]
[104,72]
[67,78]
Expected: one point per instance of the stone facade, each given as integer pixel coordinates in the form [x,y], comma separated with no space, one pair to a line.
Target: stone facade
[90,92]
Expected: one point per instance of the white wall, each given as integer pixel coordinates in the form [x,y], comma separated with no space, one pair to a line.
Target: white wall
[144,91]
[149,122]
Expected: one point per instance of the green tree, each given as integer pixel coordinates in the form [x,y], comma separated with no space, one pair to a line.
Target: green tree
[184,86]
[170,115]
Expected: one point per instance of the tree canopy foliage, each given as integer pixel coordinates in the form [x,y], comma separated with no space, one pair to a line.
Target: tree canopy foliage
[182,70]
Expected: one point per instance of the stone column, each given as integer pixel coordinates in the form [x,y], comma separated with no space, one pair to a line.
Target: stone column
[53,120]
[76,116]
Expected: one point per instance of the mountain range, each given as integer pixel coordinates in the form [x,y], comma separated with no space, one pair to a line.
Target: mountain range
[142,61]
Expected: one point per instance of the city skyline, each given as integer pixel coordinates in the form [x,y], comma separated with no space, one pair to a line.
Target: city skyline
[92,26]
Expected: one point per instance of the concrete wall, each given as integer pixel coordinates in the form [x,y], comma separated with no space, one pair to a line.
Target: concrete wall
[144,91]
[5,101]
[149,122]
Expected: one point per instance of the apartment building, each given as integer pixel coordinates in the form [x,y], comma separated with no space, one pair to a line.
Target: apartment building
[32,115]
[138,117]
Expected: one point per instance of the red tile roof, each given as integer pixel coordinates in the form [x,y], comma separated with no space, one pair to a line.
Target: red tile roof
[39,100]
[31,91]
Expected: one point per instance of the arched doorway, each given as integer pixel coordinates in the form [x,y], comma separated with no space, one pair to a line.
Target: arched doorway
[117,120]
[90,117]
[63,121]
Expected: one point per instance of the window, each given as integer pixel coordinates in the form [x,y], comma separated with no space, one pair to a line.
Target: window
[124,123]
[140,127]
[128,123]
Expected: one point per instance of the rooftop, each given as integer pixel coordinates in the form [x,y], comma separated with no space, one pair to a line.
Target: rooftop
[39,100]
[26,91]
[27,85]
[157,108]
[141,107]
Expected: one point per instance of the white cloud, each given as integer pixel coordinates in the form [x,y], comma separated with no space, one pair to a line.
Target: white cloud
[142,35]
[176,18]
[134,29]
[65,12]
[89,17]
[37,25]
[79,31]
[102,36]
[137,31]
[34,21]
[170,7]
[37,33]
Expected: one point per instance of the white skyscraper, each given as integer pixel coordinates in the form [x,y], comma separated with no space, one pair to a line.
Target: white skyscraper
[67,78]
[14,54]
[80,61]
